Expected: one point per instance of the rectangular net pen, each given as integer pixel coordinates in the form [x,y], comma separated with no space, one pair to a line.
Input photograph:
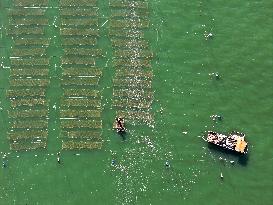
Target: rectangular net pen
[19,93]
[72,145]
[31,134]
[21,113]
[31,102]
[73,92]
[78,102]
[89,124]
[80,113]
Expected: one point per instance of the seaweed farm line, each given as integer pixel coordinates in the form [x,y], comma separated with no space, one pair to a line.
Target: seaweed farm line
[135,78]
[38,63]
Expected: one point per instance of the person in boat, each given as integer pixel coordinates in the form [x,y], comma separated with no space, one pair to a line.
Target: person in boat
[120,124]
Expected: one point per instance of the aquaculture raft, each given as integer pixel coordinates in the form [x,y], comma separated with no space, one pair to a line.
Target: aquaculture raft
[235,141]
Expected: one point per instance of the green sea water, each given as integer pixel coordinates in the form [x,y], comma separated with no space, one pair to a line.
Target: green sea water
[186,95]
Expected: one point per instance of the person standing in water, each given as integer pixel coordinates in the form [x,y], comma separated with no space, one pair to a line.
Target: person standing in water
[58,158]
[4,163]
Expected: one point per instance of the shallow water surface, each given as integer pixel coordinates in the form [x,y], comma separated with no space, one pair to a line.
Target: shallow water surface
[186,94]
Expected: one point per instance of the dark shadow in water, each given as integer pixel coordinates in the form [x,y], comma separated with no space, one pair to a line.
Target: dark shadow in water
[123,135]
[242,158]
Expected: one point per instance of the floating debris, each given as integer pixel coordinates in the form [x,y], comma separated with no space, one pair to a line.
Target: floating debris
[215,75]
[113,162]
[208,35]
[221,176]
[216,118]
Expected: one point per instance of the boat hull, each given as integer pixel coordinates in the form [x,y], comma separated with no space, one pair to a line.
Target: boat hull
[234,142]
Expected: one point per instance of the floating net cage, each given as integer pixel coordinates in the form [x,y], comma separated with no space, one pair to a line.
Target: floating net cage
[79,3]
[130,83]
[28,124]
[79,41]
[78,61]
[23,12]
[83,52]
[30,3]
[132,103]
[81,93]
[79,102]
[29,82]
[89,145]
[23,31]
[132,93]
[31,134]
[130,43]
[32,102]
[23,52]
[130,23]
[22,113]
[79,32]
[69,113]
[136,116]
[25,67]
[25,145]
[78,12]
[128,4]
[19,93]
[81,123]
[33,92]
[29,61]
[85,81]
[87,22]
[28,139]
[86,134]
[31,41]
[29,21]
[132,63]
[144,74]
[129,13]
[124,33]
[82,72]
[76,140]
[133,53]
[29,73]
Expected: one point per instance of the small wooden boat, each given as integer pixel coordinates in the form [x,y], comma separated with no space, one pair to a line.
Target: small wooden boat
[235,141]
[119,125]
